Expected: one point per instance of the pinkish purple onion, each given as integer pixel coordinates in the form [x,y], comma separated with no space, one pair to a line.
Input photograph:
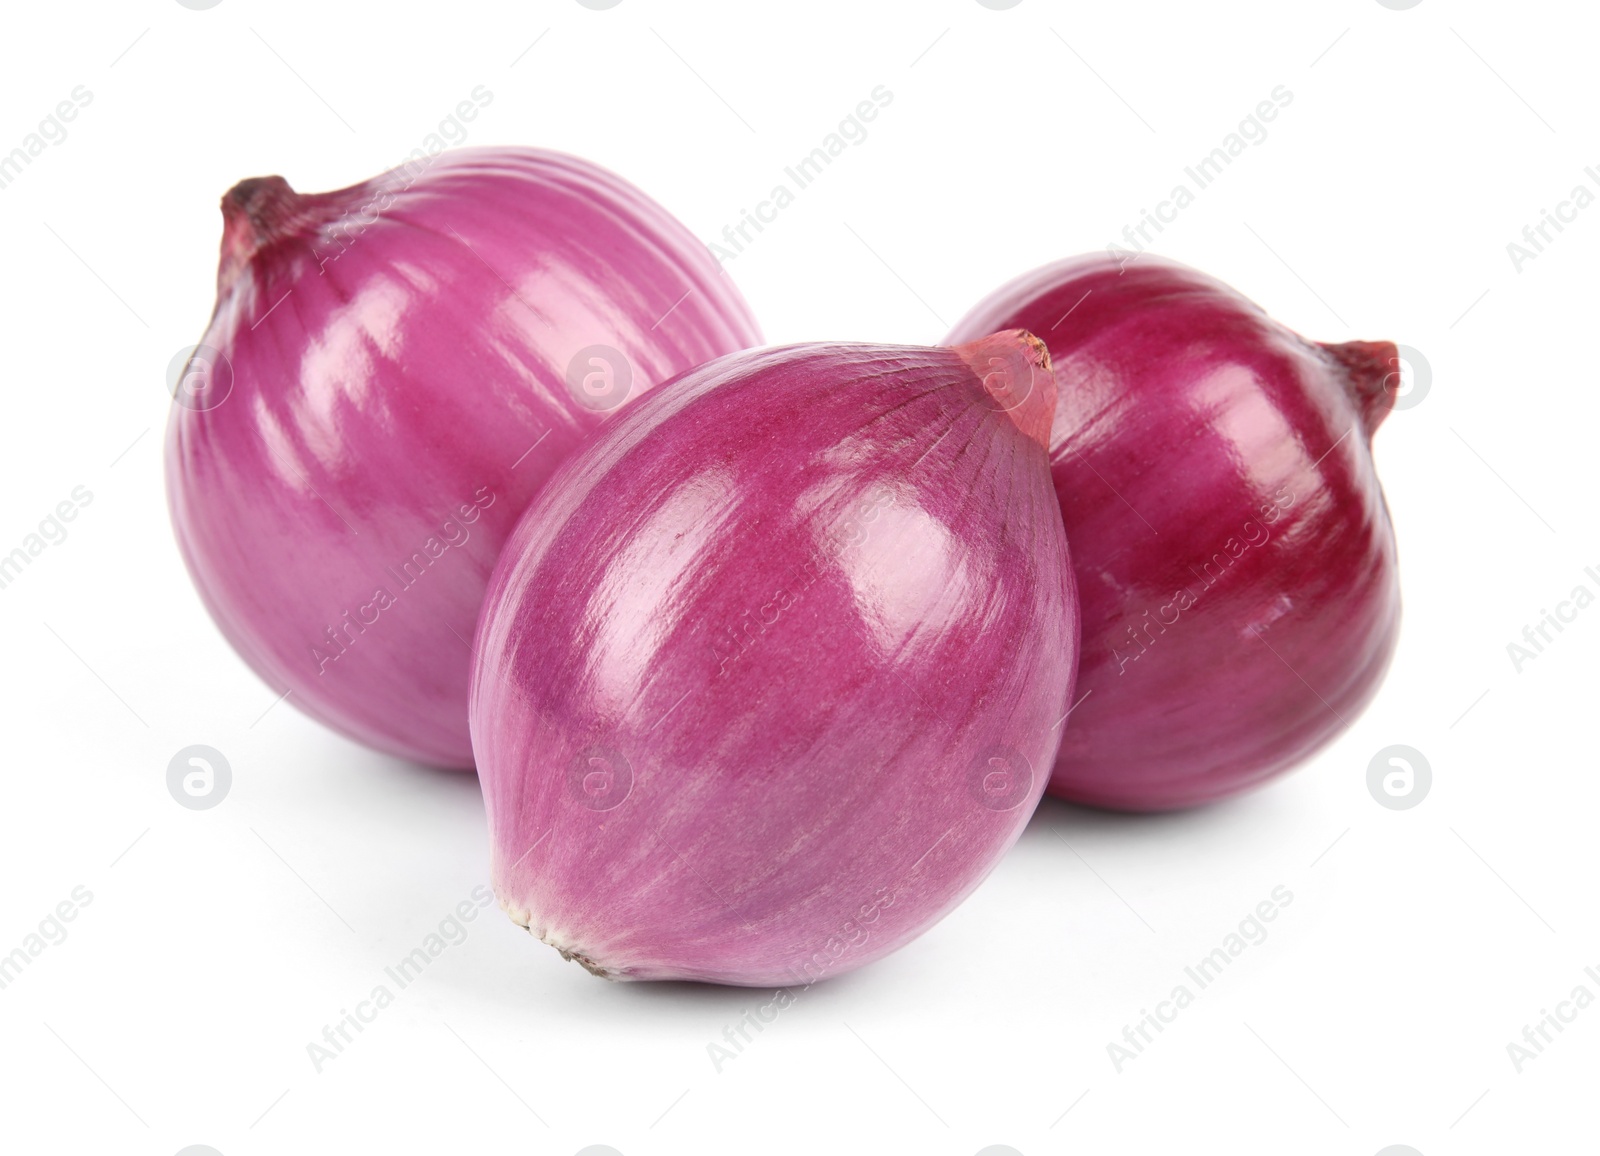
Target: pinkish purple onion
[1235,560]
[771,673]
[392,372]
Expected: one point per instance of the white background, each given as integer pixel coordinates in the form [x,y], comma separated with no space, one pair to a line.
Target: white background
[1418,944]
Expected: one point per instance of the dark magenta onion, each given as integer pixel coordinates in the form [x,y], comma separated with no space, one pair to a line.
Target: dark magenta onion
[392,372]
[1235,559]
[771,673]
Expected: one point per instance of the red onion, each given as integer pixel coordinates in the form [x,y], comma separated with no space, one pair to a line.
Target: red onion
[392,372]
[770,675]
[1234,556]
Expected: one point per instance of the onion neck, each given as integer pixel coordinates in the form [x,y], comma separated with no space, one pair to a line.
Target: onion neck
[1372,377]
[1014,367]
[258,213]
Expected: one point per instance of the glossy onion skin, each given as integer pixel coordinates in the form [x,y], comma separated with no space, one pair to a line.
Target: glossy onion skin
[399,392]
[771,674]
[1235,559]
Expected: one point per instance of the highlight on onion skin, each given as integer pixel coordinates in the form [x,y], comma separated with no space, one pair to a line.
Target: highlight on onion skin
[1235,559]
[771,673]
[396,368]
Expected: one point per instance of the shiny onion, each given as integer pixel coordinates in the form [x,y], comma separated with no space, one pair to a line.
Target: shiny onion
[392,372]
[771,673]
[1235,559]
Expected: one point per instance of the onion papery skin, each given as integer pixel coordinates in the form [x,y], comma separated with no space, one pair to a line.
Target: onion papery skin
[1235,559]
[397,358]
[771,674]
